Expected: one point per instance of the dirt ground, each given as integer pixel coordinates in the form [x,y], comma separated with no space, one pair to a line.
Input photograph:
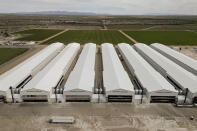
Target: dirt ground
[97,117]
[75,27]
[98,69]
[189,52]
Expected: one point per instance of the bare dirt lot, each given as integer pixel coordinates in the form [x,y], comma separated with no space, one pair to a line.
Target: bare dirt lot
[188,51]
[97,117]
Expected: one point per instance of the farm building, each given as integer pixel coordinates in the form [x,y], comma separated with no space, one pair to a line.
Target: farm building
[148,80]
[182,60]
[45,85]
[116,82]
[183,80]
[80,83]
[12,81]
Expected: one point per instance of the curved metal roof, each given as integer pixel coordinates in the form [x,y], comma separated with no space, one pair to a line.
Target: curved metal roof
[184,78]
[114,75]
[83,75]
[148,77]
[49,77]
[181,59]
[19,73]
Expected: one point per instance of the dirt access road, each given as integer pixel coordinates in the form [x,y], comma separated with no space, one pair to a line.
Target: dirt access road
[129,37]
[51,37]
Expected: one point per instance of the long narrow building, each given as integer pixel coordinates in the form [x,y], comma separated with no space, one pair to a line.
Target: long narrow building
[117,85]
[181,78]
[80,83]
[45,85]
[155,87]
[182,60]
[12,81]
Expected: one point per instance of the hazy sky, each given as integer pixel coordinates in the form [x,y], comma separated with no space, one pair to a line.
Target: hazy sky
[123,7]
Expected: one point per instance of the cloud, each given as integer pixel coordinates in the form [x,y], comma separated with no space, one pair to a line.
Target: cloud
[123,7]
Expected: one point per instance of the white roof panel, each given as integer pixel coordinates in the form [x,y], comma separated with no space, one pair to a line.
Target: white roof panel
[114,75]
[183,59]
[184,78]
[19,73]
[83,75]
[142,70]
[49,77]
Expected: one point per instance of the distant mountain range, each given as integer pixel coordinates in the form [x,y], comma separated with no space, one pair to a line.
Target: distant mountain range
[61,13]
[166,14]
[90,13]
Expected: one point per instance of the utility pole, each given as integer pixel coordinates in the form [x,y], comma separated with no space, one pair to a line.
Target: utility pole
[56,94]
[12,94]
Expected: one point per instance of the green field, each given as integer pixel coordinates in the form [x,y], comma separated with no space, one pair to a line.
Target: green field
[36,34]
[94,36]
[7,54]
[164,37]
